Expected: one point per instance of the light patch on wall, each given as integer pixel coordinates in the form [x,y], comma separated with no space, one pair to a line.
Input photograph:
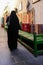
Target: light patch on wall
[34,1]
[20,6]
[10,3]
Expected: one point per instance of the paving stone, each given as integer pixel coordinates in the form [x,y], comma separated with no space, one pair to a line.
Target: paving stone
[31,63]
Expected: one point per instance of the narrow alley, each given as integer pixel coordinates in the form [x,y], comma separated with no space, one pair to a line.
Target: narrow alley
[20,56]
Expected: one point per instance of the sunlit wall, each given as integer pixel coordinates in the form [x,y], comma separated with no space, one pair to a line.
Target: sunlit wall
[10,3]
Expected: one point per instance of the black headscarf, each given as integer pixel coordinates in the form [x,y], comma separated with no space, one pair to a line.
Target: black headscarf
[14,21]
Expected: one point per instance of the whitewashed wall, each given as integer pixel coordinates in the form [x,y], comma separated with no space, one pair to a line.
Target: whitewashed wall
[38,11]
[24,3]
[38,7]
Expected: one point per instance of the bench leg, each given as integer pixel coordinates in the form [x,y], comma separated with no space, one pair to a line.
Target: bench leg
[35,50]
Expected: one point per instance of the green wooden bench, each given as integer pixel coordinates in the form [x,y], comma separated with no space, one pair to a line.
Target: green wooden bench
[34,40]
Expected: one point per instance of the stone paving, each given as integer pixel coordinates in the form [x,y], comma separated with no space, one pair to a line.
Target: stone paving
[20,56]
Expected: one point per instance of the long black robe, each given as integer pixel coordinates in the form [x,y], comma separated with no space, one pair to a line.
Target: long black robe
[13,31]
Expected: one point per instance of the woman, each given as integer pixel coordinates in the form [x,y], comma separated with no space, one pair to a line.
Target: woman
[13,30]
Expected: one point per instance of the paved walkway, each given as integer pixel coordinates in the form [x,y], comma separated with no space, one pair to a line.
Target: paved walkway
[20,56]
